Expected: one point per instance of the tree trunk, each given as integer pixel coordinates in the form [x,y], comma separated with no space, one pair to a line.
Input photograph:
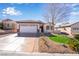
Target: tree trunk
[53,26]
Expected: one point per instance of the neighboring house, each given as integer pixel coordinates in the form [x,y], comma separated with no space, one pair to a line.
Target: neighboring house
[75,28]
[64,28]
[32,26]
[9,24]
[71,29]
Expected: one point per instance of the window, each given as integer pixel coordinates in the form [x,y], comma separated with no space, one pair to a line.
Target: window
[47,27]
[51,27]
[75,28]
[9,26]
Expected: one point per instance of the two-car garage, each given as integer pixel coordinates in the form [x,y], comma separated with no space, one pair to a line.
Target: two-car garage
[28,29]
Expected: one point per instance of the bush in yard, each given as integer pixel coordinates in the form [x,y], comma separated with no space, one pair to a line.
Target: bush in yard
[77,36]
[74,45]
[1,26]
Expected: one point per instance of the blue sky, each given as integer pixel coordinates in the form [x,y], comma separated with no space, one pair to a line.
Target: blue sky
[22,11]
[32,11]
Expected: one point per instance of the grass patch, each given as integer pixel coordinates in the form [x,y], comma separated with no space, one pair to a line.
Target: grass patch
[60,38]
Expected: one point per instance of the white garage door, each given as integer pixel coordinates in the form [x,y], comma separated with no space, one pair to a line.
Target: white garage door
[28,29]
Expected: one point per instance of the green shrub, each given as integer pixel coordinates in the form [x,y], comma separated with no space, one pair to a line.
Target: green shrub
[74,45]
[1,26]
[77,36]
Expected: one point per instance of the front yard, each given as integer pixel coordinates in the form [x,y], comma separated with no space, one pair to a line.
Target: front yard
[64,40]
[55,44]
[60,38]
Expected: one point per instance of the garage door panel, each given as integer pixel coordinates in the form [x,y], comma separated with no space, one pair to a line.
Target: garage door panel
[28,29]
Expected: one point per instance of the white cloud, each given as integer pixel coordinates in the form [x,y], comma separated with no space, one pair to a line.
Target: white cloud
[74,4]
[11,11]
[74,13]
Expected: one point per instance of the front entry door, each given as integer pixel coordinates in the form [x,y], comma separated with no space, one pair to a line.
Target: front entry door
[42,29]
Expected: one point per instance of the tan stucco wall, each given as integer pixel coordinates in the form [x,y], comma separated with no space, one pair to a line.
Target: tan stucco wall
[12,23]
[9,22]
[45,30]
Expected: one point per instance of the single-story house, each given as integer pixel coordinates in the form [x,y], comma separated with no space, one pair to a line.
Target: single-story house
[64,28]
[71,29]
[32,26]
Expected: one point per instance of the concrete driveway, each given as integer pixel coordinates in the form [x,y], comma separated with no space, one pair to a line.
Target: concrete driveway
[19,44]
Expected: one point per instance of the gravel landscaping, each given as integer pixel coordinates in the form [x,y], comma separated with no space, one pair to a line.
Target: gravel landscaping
[48,46]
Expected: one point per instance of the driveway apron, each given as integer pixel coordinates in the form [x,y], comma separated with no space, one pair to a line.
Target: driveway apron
[30,45]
